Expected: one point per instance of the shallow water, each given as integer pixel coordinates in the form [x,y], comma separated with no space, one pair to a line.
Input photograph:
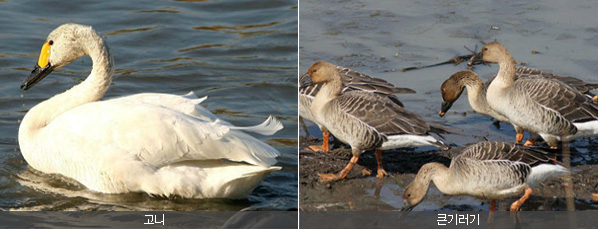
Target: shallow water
[381,37]
[242,54]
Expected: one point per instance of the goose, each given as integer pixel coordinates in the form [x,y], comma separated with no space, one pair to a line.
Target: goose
[578,84]
[488,171]
[363,120]
[160,144]
[452,88]
[352,80]
[547,107]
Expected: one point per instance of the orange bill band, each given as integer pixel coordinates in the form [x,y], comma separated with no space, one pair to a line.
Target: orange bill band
[44,56]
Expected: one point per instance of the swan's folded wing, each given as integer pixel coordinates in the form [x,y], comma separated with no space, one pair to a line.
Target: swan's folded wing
[160,136]
[188,104]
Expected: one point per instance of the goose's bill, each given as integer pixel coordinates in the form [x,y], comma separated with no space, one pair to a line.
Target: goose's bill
[445,107]
[477,59]
[405,210]
[37,74]
[305,82]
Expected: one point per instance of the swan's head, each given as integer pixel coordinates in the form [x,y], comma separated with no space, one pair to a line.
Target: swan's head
[62,47]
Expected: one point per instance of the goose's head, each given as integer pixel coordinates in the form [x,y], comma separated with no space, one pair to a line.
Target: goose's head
[62,47]
[494,52]
[321,72]
[414,194]
[418,189]
[451,90]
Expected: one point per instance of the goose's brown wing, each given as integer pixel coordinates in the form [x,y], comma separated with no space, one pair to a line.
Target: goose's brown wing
[381,113]
[560,97]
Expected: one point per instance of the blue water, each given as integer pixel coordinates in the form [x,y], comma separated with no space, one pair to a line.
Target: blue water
[242,54]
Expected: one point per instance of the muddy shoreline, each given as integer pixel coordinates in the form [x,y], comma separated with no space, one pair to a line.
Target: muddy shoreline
[359,192]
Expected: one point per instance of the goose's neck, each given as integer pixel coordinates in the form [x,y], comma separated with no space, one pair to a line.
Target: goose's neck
[330,90]
[474,93]
[506,71]
[90,90]
[440,175]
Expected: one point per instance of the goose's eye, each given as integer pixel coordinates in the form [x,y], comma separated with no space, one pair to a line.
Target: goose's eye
[409,195]
[315,70]
[51,42]
[485,49]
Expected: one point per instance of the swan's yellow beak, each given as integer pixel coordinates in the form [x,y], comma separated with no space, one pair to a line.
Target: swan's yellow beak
[41,69]
[44,55]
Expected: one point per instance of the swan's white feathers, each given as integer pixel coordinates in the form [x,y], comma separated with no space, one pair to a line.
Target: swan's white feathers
[189,104]
[155,143]
[159,135]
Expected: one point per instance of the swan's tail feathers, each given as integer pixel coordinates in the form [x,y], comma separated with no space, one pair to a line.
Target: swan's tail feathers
[197,101]
[243,147]
[268,127]
[190,95]
[193,97]
[261,153]
[259,172]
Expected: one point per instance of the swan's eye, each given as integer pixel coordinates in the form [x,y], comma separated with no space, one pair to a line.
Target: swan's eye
[51,42]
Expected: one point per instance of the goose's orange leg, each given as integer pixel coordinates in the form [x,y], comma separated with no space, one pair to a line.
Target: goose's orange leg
[492,205]
[517,204]
[324,147]
[326,136]
[342,175]
[381,171]
[519,138]
[530,142]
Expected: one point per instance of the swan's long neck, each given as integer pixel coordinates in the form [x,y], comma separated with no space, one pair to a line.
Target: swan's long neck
[90,90]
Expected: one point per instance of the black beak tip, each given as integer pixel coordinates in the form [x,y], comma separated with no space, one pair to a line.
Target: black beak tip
[404,212]
[446,105]
[36,75]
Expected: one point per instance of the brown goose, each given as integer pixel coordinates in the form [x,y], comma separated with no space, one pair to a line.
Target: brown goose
[548,107]
[452,88]
[489,171]
[578,84]
[352,80]
[364,120]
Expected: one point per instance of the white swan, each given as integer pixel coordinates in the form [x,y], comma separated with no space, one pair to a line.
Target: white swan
[160,144]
